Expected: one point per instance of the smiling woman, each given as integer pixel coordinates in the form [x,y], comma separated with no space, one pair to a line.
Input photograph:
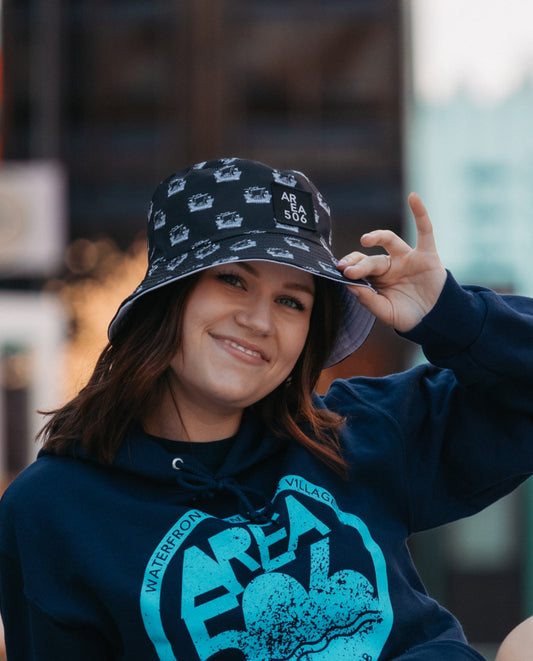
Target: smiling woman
[207,503]
[244,328]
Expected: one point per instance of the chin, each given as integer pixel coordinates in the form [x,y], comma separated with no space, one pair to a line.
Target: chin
[238,399]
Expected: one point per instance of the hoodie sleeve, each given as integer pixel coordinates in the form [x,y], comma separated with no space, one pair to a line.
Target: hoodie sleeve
[455,434]
[467,419]
[484,337]
[32,635]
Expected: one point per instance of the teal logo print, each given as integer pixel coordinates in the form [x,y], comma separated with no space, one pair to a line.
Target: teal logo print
[245,580]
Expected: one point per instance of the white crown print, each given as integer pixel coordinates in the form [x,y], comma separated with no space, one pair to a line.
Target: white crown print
[228,173]
[175,185]
[243,245]
[200,201]
[178,234]
[286,179]
[257,195]
[228,219]
[159,219]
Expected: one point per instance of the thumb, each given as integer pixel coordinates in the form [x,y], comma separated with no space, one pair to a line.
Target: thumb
[373,302]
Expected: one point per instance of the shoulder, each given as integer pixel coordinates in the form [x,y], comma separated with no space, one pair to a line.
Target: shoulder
[386,394]
[46,497]
[27,487]
[518,644]
[47,480]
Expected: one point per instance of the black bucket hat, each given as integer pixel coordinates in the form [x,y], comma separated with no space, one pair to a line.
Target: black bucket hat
[238,210]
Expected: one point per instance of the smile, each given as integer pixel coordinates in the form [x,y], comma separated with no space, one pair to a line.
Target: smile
[249,352]
[243,349]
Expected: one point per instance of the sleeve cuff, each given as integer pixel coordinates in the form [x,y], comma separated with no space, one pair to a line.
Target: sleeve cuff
[453,324]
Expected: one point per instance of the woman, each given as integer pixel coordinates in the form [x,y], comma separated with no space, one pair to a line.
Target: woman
[198,501]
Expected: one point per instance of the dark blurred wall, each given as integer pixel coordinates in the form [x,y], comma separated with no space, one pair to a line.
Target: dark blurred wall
[124,92]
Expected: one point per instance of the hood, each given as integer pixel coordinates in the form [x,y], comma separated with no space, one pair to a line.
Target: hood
[242,473]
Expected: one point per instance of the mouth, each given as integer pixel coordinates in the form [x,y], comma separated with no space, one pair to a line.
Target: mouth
[239,347]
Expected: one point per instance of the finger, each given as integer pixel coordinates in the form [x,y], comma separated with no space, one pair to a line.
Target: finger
[424,228]
[350,260]
[369,266]
[387,239]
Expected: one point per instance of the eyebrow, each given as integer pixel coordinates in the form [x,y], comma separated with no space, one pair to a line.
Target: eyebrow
[296,286]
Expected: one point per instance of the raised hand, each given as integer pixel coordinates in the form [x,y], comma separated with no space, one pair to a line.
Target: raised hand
[407,281]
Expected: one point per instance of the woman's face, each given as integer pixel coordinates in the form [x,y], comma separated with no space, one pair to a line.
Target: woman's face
[244,327]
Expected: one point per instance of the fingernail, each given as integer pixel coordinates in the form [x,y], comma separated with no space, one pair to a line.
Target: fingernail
[342,262]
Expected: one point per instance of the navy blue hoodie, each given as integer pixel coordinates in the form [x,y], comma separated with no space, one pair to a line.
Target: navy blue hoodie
[274,557]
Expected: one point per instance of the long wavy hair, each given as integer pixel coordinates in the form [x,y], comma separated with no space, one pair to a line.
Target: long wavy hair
[131,375]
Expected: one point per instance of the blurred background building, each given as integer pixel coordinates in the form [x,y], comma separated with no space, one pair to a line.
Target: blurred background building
[101,99]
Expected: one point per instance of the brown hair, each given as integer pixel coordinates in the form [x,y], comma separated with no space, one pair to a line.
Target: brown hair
[130,377]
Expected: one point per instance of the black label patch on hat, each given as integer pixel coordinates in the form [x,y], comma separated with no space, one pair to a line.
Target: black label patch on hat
[293,206]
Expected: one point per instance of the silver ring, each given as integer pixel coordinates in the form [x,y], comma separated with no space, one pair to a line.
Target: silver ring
[175,462]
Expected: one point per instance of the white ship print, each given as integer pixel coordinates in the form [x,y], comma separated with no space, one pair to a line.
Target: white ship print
[159,219]
[204,248]
[174,263]
[330,235]
[280,252]
[287,179]
[287,228]
[228,219]
[257,195]
[228,173]
[325,245]
[323,203]
[200,201]
[155,265]
[178,234]
[244,244]
[176,185]
[296,243]
[329,268]
[225,260]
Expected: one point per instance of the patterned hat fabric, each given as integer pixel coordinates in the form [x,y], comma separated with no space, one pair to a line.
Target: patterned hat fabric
[238,210]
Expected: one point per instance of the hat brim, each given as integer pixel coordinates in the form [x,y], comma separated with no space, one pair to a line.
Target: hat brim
[300,253]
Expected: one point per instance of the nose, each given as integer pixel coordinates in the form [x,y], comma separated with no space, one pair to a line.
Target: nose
[256,316]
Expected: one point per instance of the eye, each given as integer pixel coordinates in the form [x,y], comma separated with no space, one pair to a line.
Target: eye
[291,302]
[230,279]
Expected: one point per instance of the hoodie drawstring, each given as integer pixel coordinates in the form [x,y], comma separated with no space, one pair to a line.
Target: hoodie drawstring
[200,481]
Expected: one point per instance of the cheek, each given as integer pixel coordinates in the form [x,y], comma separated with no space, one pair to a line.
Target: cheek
[295,341]
[195,320]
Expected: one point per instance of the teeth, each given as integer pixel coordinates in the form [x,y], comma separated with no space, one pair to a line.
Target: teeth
[241,348]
